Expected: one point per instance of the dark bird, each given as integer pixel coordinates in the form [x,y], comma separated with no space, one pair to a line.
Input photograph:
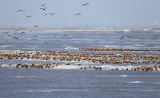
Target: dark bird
[6,32]
[65,35]
[44,8]
[155,37]
[45,14]
[20,11]
[42,5]
[78,14]
[121,38]
[85,4]
[51,13]
[35,25]
[46,42]
[22,33]
[16,37]
[28,16]
[129,36]
[17,30]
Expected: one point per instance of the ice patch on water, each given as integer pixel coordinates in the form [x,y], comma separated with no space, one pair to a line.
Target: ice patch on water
[136,82]
[149,90]
[124,75]
[139,45]
[5,46]
[110,46]
[139,82]
[69,47]
[4,65]
[55,90]
[66,67]
[119,67]
[25,76]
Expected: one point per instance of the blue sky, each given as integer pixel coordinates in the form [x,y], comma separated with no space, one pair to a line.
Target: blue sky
[97,12]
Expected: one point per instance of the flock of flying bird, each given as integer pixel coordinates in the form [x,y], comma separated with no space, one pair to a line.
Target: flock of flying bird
[43,8]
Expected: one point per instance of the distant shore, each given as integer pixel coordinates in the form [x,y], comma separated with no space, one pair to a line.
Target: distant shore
[79,30]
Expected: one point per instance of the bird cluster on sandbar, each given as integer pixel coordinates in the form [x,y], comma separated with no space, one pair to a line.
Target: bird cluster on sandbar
[66,58]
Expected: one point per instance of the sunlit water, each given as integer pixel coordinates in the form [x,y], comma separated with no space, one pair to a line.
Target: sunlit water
[71,82]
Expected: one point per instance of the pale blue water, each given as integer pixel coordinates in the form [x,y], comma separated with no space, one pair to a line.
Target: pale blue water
[69,83]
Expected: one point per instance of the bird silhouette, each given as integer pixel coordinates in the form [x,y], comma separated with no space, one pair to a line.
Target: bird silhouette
[22,33]
[121,38]
[44,8]
[155,37]
[35,25]
[20,11]
[28,16]
[129,36]
[51,13]
[78,14]
[42,5]
[16,37]
[44,14]
[17,30]
[6,32]
[85,4]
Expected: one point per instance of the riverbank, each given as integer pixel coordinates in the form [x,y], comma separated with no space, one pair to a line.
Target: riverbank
[78,30]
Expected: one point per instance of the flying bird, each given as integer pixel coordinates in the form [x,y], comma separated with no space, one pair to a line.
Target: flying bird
[121,38]
[42,5]
[28,16]
[85,4]
[44,8]
[20,11]
[44,14]
[78,14]
[35,25]
[22,33]
[16,37]
[6,32]
[51,13]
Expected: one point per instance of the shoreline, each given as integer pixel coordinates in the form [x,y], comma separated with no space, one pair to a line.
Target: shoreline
[80,30]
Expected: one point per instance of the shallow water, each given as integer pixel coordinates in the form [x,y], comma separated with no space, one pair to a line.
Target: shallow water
[67,81]
[78,83]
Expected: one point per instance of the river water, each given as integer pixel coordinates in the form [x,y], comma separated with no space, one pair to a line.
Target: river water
[69,81]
